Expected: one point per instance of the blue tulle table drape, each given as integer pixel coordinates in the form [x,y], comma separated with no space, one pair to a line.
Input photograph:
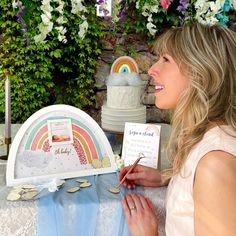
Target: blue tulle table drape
[73,214]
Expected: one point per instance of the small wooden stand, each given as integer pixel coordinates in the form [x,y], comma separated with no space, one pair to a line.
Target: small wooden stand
[7,142]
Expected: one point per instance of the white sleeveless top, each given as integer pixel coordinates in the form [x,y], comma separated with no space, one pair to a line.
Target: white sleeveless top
[179,199]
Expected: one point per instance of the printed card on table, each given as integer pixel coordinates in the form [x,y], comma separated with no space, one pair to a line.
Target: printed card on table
[141,139]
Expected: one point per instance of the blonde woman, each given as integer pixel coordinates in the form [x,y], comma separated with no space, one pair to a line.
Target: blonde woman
[195,75]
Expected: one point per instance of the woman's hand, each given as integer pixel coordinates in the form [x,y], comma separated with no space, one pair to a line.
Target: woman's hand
[140,215]
[141,175]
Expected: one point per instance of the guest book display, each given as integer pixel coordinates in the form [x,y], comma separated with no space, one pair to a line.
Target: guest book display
[58,141]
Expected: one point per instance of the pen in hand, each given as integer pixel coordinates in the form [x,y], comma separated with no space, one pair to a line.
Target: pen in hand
[130,170]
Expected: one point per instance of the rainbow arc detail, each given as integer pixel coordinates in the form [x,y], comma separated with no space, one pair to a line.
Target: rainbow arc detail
[38,138]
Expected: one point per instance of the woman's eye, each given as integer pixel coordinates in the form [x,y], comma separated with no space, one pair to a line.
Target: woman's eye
[165,59]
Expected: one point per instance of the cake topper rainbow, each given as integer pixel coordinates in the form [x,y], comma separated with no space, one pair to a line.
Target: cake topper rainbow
[124,64]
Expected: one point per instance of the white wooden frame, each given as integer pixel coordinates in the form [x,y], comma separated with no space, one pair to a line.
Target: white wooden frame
[10,174]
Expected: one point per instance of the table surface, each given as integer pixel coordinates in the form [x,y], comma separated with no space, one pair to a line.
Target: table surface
[20,217]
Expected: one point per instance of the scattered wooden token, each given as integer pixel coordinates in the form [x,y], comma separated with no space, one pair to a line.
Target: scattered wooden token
[13,196]
[81,180]
[73,190]
[29,195]
[114,190]
[23,192]
[17,190]
[85,184]
[106,162]
[28,186]
[96,163]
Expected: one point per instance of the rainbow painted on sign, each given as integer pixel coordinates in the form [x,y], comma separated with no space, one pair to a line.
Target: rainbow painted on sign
[124,64]
[83,137]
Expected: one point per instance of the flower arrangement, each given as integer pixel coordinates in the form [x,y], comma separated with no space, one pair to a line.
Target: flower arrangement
[49,49]
[119,162]
[214,12]
[48,22]
[155,13]
[176,12]
[21,11]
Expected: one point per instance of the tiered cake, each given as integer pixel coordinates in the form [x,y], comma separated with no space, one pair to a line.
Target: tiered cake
[123,105]
[123,100]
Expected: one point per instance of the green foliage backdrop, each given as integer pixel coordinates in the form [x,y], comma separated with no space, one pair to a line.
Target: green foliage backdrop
[49,73]
[55,72]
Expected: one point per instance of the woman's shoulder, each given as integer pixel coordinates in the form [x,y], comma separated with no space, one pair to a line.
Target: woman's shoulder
[217,166]
[217,162]
[222,131]
[219,138]
[216,143]
[214,193]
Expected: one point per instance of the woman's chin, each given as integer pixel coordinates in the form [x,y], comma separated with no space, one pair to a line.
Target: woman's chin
[163,106]
[160,105]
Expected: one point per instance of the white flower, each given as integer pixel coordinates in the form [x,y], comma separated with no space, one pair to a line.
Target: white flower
[60,8]
[155,8]
[206,11]
[40,38]
[46,8]
[46,26]
[215,7]
[150,18]
[60,20]
[45,19]
[202,9]
[200,3]
[152,28]
[45,29]
[46,2]
[211,20]
[62,38]
[64,31]
[15,4]
[147,10]
[119,161]
[77,6]
[61,29]
[83,29]
[119,164]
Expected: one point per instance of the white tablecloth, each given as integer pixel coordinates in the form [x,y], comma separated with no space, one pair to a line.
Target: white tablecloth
[20,217]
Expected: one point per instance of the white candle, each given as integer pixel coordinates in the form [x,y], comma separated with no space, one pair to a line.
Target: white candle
[7,109]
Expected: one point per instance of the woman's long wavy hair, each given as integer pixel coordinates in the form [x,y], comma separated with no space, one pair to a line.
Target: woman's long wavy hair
[207,56]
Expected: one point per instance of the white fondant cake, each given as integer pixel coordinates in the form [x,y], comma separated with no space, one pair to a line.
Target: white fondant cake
[123,97]
[123,105]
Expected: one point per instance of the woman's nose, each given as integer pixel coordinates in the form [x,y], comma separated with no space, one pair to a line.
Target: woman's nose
[153,72]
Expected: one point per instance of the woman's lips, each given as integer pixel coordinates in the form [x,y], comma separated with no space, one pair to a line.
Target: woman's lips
[158,88]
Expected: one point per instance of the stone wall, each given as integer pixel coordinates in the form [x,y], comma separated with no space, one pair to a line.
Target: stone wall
[135,46]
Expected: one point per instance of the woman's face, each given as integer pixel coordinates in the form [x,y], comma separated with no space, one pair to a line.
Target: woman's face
[168,81]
